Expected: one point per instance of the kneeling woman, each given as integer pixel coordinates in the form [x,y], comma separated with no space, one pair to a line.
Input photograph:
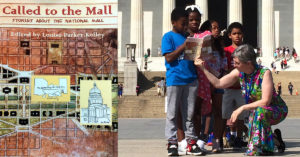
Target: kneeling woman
[266,107]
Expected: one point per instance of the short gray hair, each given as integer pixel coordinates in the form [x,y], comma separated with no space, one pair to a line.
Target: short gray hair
[245,53]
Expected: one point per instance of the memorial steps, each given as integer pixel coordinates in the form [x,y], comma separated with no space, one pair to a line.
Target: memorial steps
[149,105]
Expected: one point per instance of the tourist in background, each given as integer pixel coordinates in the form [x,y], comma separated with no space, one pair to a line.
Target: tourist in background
[285,63]
[294,55]
[160,87]
[137,89]
[290,87]
[120,90]
[279,88]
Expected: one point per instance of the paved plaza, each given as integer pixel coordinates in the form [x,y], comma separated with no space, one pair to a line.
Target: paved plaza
[145,138]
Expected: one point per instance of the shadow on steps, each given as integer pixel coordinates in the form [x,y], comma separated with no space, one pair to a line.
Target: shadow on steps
[148,80]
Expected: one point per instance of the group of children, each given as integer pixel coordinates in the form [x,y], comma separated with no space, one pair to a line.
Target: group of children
[189,93]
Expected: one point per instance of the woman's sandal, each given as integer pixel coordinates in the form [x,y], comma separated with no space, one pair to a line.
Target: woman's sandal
[278,141]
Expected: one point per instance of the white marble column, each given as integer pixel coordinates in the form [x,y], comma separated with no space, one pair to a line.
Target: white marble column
[297,26]
[148,31]
[136,26]
[235,11]
[204,9]
[277,27]
[168,6]
[268,34]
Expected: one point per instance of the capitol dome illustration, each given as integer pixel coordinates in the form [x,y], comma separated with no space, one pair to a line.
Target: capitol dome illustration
[97,112]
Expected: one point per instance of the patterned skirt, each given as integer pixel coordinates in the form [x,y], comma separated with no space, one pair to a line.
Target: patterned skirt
[260,121]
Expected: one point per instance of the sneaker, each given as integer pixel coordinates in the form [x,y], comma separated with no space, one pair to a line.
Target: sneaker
[243,143]
[204,137]
[216,146]
[210,137]
[193,149]
[278,141]
[225,142]
[182,147]
[201,144]
[231,141]
[239,143]
[228,136]
[172,149]
[221,144]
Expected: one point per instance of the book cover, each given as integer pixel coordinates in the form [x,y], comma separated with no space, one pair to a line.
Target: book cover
[198,46]
[58,78]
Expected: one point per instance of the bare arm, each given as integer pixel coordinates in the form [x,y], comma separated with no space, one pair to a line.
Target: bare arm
[267,89]
[172,56]
[224,82]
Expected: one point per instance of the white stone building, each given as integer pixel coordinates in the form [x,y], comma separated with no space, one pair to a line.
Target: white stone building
[268,24]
